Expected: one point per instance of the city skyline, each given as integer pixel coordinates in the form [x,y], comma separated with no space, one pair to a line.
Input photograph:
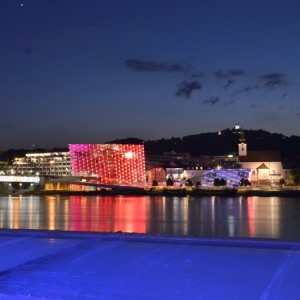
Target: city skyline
[95,71]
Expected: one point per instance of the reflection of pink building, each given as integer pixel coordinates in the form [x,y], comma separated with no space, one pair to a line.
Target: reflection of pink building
[110,163]
[107,214]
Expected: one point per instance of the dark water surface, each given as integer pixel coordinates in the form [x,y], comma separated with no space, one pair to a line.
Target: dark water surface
[259,217]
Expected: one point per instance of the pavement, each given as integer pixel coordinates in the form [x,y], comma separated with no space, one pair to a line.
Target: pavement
[64,265]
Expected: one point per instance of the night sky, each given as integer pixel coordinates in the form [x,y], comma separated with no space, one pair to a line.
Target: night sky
[87,71]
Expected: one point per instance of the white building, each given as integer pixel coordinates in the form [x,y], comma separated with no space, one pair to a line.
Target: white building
[48,163]
[266,166]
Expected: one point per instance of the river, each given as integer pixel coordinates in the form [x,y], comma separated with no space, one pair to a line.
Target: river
[221,217]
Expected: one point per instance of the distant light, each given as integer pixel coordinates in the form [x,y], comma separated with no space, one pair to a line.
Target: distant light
[21,4]
[230,155]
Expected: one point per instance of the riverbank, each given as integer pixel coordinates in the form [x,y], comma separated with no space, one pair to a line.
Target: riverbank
[180,192]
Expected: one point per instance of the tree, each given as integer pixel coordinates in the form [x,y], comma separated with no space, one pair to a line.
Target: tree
[216,182]
[170,181]
[244,182]
[295,176]
[198,184]
[282,181]
[189,182]
[154,183]
[223,182]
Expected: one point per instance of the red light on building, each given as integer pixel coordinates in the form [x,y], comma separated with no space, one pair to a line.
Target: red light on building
[110,163]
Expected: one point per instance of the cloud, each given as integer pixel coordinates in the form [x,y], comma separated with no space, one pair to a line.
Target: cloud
[229,102]
[236,72]
[283,95]
[274,79]
[255,105]
[185,88]
[228,84]
[230,73]
[107,64]
[281,107]
[137,34]
[28,51]
[246,89]
[212,100]
[152,66]
[197,75]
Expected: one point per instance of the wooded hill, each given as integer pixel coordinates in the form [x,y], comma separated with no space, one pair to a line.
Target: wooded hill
[222,143]
[211,143]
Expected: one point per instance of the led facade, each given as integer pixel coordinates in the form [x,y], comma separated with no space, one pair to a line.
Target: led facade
[110,163]
[232,176]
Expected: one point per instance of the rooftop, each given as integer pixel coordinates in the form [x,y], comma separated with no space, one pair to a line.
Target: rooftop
[261,156]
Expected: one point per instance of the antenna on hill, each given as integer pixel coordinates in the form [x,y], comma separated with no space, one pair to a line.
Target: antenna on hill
[237,126]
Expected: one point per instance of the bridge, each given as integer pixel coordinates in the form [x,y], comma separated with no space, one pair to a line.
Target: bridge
[69,180]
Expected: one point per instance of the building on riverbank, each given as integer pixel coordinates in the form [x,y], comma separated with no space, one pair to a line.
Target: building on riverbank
[42,163]
[266,166]
[109,163]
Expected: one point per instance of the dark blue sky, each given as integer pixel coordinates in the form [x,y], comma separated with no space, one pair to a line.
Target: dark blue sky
[92,71]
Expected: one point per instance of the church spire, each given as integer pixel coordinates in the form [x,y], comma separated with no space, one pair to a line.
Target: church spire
[242,145]
[242,137]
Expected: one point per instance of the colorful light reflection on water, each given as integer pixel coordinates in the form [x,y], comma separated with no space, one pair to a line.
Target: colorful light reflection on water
[254,217]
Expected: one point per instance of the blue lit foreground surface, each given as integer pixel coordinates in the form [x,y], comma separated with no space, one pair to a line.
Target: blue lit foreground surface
[43,265]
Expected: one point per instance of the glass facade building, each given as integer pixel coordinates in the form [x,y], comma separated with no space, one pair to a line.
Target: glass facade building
[44,164]
[109,163]
[232,176]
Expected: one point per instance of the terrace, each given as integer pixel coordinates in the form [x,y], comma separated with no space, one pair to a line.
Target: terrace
[60,265]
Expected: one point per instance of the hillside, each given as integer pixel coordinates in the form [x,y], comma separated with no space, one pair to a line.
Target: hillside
[211,143]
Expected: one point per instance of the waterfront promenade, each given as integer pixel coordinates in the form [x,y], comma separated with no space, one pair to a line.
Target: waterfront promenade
[290,191]
[61,265]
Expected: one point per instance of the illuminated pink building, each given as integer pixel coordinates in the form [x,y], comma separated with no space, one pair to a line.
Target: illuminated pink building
[110,163]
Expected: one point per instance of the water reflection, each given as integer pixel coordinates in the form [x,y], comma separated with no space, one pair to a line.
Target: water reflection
[107,214]
[269,217]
